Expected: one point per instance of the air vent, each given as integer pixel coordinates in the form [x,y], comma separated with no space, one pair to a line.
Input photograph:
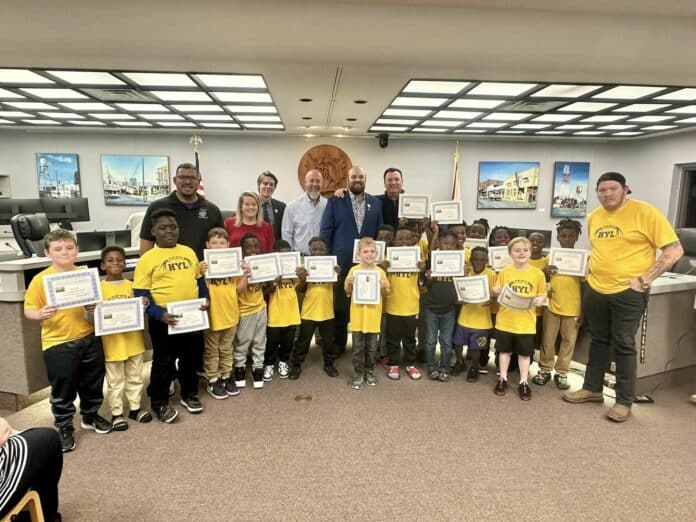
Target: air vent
[120,95]
[530,106]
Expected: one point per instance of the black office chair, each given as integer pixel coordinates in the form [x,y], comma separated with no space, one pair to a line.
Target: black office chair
[29,231]
[687,264]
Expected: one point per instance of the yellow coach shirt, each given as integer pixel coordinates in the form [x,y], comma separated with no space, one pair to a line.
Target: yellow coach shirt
[169,274]
[224,303]
[525,283]
[283,307]
[120,346]
[477,316]
[404,295]
[623,244]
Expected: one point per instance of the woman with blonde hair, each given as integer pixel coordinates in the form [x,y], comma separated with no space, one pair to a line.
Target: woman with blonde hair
[249,220]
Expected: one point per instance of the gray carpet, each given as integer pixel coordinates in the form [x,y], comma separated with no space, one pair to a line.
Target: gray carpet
[400,451]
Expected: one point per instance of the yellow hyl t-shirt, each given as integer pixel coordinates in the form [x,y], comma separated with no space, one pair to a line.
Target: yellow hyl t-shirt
[169,274]
[366,318]
[283,307]
[224,303]
[121,346]
[623,244]
[318,302]
[67,325]
[540,264]
[251,300]
[529,282]
[477,316]
[565,295]
[404,294]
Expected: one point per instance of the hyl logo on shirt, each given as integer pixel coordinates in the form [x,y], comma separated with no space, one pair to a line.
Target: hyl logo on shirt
[521,287]
[174,263]
[608,232]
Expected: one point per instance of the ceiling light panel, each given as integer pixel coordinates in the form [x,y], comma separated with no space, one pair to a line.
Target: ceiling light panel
[500,89]
[263,126]
[55,94]
[175,124]
[685,121]
[659,127]
[557,118]
[651,119]
[589,133]
[15,114]
[394,121]
[573,127]
[587,107]
[87,77]
[689,109]
[434,87]
[42,122]
[628,92]
[417,113]
[250,109]
[565,91]
[460,115]
[253,117]
[210,117]
[679,95]
[509,132]
[32,106]
[550,133]
[387,128]
[421,129]
[232,81]
[414,101]
[112,116]
[143,107]
[484,125]
[87,122]
[4,122]
[507,116]
[88,106]
[642,107]
[221,125]
[160,79]
[616,127]
[62,115]
[9,95]
[530,126]
[243,97]
[198,108]
[21,76]
[627,133]
[158,116]
[133,124]
[606,118]
[442,123]
[474,103]
[181,96]
[470,131]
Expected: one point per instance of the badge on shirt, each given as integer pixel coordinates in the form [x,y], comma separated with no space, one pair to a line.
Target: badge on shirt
[203,213]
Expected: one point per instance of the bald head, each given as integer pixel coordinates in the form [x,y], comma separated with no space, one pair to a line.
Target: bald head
[312,185]
[357,177]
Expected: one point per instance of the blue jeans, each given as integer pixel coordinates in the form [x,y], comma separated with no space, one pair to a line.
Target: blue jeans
[444,324]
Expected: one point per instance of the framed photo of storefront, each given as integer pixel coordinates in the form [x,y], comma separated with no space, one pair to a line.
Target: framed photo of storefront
[508,184]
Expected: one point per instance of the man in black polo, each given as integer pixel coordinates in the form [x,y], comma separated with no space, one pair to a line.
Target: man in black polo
[194,215]
[393,186]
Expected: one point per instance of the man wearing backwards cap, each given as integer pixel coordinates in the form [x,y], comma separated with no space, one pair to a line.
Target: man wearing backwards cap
[624,234]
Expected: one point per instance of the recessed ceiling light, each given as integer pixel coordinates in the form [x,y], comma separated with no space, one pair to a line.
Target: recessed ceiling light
[42,122]
[500,89]
[470,131]
[237,81]
[509,132]
[441,123]
[32,105]
[564,91]
[395,121]
[253,117]
[687,120]
[351,119]
[406,112]
[158,116]
[628,92]
[251,109]
[573,127]
[473,103]
[651,119]
[133,123]
[616,127]
[62,115]
[211,117]
[461,115]
[642,107]
[421,129]
[531,126]
[243,97]
[680,95]
[88,106]
[659,127]
[587,107]
[306,118]
[175,124]
[221,125]
[434,87]
[143,107]
[551,132]
[626,133]
[386,128]
[15,114]
[182,96]
[484,125]
[21,76]
[262,126]
[589,133]
[161,79]
[87,122]
[87,77]
[112,116]
[305,100]
[198,108]
[413,101]
[52,94]
[9,95]
[603,119]
[507,116]
[360,102]
[688,109]
[556,118]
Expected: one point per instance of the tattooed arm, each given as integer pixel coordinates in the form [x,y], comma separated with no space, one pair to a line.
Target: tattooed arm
[670,254]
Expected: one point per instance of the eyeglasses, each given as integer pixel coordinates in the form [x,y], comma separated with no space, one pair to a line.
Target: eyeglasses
[187,179]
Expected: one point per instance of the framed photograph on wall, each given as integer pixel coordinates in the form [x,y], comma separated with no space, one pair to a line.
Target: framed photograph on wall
[134,180]
[508,184]
[58,174]
[570,179]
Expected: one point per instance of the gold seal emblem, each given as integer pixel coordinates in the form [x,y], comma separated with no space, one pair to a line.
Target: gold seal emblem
[333,164]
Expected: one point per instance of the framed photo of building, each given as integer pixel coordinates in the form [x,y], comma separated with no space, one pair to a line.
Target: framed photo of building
[570,184]
[134,180]
[508,184]
[58,174]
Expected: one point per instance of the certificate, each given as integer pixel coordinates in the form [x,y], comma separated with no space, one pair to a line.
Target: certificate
[366,287]
[569,261]
[403,259]
[265,267]
[510,299]
[414,206]
[472,289]
[119,315]
[447,263]
[223,262]
[321,269]
[289,261]
[381,247]
[191,317]
[447,212]
[73,288]
[473,243]
[499,257]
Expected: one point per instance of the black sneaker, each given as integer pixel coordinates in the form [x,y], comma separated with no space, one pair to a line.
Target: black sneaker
[167,414]
[119,423]
[500,387]
[257,374]
[525,392]
[230,387]
[192,403]
[216,389]
[141,416]
[96,423]
[473,375]
[240,376]
[295,372]
[330,370]
[67,439]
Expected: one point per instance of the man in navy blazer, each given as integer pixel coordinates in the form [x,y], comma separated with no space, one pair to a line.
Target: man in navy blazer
[345,220]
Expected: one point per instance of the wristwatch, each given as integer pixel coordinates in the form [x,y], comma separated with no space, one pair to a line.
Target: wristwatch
[643,283]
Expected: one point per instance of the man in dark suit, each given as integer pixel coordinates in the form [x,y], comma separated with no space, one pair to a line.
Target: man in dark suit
[345,220]
[271,209]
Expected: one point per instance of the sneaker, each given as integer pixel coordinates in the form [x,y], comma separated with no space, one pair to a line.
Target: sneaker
[619,412]
[283,370]
[119,423]
[167,414]
[583,395]
[240,376]
[67,439]
[394,373]
[500,387]
[370,377]
[330,370]
[524,391]
[473,375]
[96,423]
[358,382]
[230,387]
[257,375]
[295,372]
[561,381]
[192,403]
[413,372]
[139,415]
[433,375]
[443,377]
[216,389]
[268,372]
[541,378]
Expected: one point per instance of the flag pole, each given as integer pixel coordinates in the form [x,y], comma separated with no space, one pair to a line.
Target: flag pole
[196,141]
[456,176]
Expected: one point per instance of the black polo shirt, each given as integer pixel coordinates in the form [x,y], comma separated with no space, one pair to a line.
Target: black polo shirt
[194,220]
[390,210]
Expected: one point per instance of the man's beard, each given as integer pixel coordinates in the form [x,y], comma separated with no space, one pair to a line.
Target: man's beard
[314,195]
[357,191]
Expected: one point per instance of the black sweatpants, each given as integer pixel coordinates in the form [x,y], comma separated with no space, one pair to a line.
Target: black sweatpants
[278,344]
[401,329]
[326,331]
[341,316]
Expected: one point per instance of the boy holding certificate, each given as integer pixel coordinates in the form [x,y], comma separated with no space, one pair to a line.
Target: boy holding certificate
[365,318]
[515,327]
[166,274]
[123,352]
[73,355]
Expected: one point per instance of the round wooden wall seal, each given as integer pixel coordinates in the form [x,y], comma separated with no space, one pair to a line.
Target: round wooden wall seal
[333,164]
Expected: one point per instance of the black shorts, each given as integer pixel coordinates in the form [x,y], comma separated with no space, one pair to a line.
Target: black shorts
[521,344]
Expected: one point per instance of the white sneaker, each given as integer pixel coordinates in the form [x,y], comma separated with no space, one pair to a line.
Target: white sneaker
[268,372]
[283,370]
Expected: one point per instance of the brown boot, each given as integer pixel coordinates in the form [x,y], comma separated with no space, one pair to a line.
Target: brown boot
[619,412]
[583,395]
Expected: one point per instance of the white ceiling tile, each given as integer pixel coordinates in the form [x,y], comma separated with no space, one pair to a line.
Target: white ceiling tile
[473,103]
[565,91]
[642,107]
[679,95]
[460,115]
[87,77]
[500,89]
[243,97]
[587,107]
[507,116]
[406,112]
[161,79]
[434,87]
[21,76]
[556,118]
[235,81]
[414,101]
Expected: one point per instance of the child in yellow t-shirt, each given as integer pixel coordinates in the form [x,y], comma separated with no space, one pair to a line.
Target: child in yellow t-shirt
[539,260]
[384,233]
[365,318]
[563,314]
[73,356]
[317,313]
[224,317]
[515,328]
[283,319]
[123,352]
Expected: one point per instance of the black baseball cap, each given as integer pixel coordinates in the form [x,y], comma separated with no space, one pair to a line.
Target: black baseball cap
[612,176]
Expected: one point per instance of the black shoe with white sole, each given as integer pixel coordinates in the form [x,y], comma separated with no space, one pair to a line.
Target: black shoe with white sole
[192,403]
[96,423]
[166,413]
[67,439]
